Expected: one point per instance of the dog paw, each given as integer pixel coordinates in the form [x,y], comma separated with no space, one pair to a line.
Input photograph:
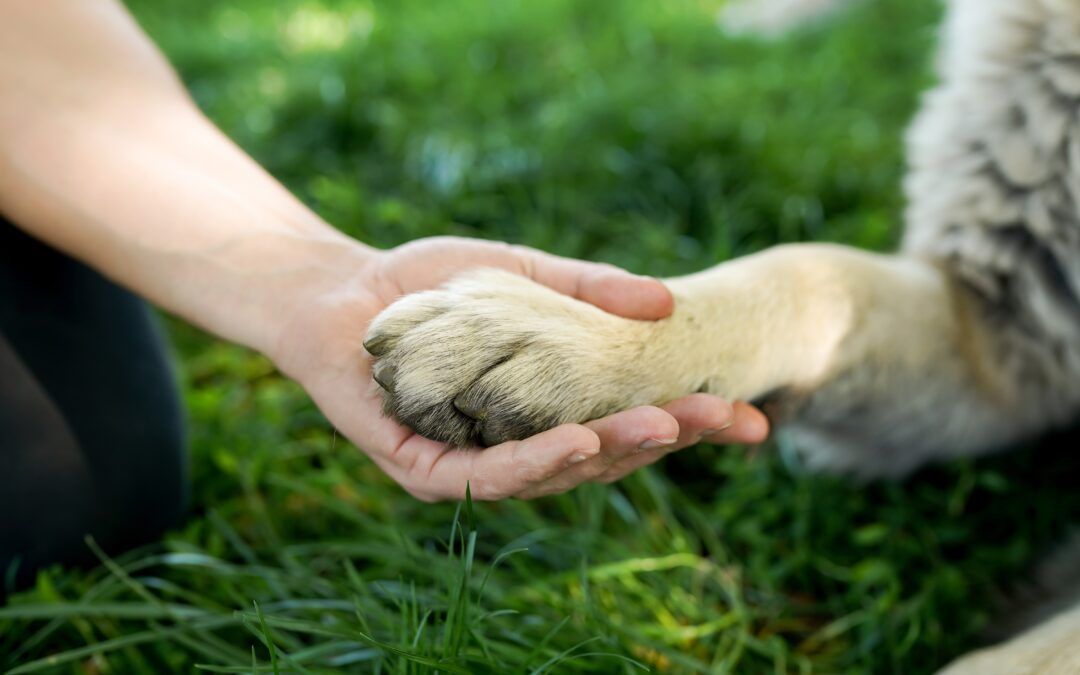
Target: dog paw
[493,357]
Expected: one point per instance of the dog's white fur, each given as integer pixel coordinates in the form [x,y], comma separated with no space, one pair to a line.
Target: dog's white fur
[966,340]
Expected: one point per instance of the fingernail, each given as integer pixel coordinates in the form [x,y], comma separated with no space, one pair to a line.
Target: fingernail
[656,443]
[577,458]
[709,432]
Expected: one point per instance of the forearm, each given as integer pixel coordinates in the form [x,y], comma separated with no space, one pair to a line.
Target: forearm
[103,155]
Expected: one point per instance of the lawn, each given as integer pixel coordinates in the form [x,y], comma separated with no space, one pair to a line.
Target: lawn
[628,131]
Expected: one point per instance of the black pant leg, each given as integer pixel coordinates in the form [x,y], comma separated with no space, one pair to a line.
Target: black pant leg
[91,428]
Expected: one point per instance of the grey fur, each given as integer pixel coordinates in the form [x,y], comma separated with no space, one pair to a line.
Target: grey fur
[994,185]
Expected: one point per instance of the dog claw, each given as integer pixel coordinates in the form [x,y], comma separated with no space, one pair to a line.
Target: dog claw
[469,409]
[376,345]
[385,374]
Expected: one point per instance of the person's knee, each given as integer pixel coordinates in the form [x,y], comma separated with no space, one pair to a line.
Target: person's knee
[128,498]
[144,491]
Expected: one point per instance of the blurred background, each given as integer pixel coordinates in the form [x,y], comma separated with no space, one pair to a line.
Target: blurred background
[627,131]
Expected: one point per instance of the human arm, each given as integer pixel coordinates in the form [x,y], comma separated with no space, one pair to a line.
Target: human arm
[104,156]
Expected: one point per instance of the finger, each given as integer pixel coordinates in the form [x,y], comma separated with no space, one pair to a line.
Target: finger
[497,472]
[608,287]
[697,415]
[749,425]
[432,472]
[629,465]
[632,431]
[621,435]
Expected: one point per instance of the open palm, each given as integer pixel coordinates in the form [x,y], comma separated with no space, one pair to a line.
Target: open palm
[326,355]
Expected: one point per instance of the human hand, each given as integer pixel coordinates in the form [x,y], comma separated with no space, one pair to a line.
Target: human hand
[322,348]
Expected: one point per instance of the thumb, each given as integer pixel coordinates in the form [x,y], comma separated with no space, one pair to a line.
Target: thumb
[609,288]
[625,294]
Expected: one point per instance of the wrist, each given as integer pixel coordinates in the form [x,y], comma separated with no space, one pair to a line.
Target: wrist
[324,303]
[287,279]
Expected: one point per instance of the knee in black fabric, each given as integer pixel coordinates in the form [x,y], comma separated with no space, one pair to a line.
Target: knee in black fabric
[142,481]
[124,484]
[93,435]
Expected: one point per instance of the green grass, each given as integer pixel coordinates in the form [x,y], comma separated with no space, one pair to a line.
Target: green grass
[622,130]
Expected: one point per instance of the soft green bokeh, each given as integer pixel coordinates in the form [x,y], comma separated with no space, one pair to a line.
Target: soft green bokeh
[622,130]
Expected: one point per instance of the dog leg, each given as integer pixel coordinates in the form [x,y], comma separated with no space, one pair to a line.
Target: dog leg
[876,360]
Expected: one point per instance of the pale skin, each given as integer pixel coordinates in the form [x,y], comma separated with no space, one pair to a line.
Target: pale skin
[104,156]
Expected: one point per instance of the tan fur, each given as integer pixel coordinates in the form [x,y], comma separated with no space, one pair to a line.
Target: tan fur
[1051,647]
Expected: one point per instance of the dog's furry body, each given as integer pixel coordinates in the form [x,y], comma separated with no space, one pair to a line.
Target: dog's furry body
[966,340]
